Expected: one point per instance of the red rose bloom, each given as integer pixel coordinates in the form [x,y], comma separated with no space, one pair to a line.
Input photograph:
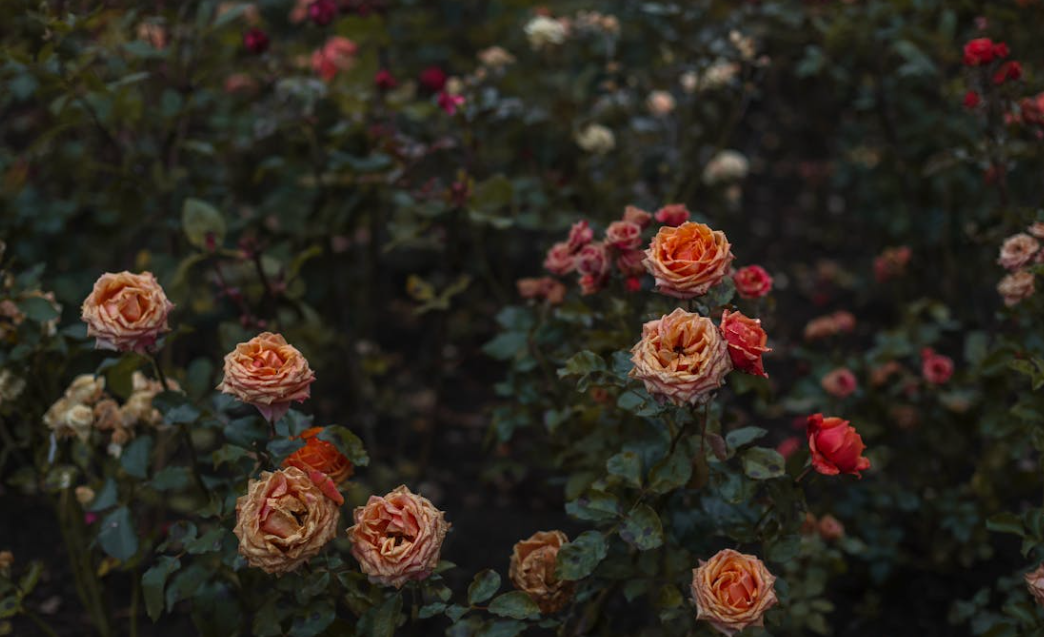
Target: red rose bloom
[752,282]
[385,80]
[983,51]
[836,446]
[935,368]
[432,79]
[746,342]
[971,99]
[322,12]
[255,41]
[1011,70]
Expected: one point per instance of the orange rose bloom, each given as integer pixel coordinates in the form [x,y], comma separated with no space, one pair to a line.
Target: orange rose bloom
[681,358]
[746,341]
[397,538]
[532,570]
[126,311]
[268,373]
[836,446]
[688,260]
[320,455]
[732,591]
[285,518]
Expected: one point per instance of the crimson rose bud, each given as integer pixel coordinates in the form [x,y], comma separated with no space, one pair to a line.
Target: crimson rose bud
[256,41]
[385,80]
[432,79]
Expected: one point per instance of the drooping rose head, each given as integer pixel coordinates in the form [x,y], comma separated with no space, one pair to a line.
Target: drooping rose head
[623,235]
[1035,584]
[686,261]
[673,214]
[936,368]
[268,373]
[397,538]
[285,518]
[637,216]
[836,446]
[126,311]
[732,591]
[1017,251]
[746,342]
[320,455]
[532,570]
[682,358]
[1016,287]
[840,382]
[560,259]
[752,282]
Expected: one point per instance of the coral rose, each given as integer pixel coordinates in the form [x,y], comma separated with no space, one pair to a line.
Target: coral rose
[686,261]
[560,259]
[752,282]
[682,358]
[268,373]
[126,312]
[542,288]
[285,518]
[338,54]
[840,383]
[623,235]
[1016,287]
[935,368]
[673,214]
[532,570]
[1017,251]
[1035,584]
[836,446]
[320,455]
[397,538]
[891,263]
[830,528]
[732,591]
[746,342]
[579,236]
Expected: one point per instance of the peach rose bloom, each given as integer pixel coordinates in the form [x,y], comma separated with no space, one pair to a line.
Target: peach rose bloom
[682,358]
[320,455]
[285,518]
[268,373]
[687,260]
[397,538]
[732,591]
[542,288]
[1016,287]
[1035,584]
[1036,228]
[126,312]
[840,383]
[1017,251]
[532,570]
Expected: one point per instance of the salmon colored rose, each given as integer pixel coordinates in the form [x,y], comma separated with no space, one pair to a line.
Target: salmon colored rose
[836,446]
[397,538]
[268,373]
[338,54]
[532,570]
[542,288]
[746,342]
[126,312]
[732,591]
[686,261]
[1035,584]
[682,358]
[285,518]
[752,282]
[840,383]
[830,528]
[936,368]
[623,235]
[560,259]
[320,455]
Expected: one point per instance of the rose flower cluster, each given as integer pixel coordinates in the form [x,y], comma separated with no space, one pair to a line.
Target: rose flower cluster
[1017,254]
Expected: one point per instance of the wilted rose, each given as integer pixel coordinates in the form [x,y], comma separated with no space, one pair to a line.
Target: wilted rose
[686,261]
[836,446]
[397,538]
[682,358]
[746,342]
[532,570]
[285,518]
[320,455]
[268,373]
[732,591]
[126,312]
[891,263]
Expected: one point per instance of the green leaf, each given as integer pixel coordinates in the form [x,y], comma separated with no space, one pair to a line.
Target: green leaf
[506,345]
[153,581]
[760,463]
[431,610]
[743,436]
[38,309]
[784,549]
[347,443]
[314,619]
[119,373]
[579,558]
[516,605]
[1005,523]
[381,621]
[199,219]
[117,535]
[671,472]
[483,586]
[136,457]
[594,505]
[105,497]
[583,364]
[642,528]
[171,478]
[627,466]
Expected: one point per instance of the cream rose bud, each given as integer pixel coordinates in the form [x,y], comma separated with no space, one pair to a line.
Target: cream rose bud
[285,518]
[543,31]
[532,570]
[397,538]
[682,358]
[732,591]
[1035,584]
[268,373]
[726,166]
[126,312]
[596,139]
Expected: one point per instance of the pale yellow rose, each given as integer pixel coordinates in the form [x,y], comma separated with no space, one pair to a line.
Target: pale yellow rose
[126,311]
[397,538]
[268,373]
[682,358]
[732,591]
[285,518]
[532,570]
